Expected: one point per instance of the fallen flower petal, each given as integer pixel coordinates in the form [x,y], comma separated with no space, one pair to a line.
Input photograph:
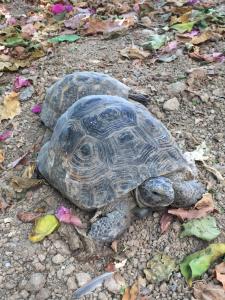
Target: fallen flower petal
[28,217]
[220,273]
[5,135]
[57,8]
[165,222]
[65,215]
[20,82]
[36,109]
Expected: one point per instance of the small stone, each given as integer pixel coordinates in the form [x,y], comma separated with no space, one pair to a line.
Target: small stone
[82,278]
[24,294]
[39,267]
[163,287]
[146,21]
[176,88]
[26,93]
[7,220]
[71,284]
[171,104]
[36,282]
[62,247]
[115,284]
[43,294]
[69,270]
[58,259]
[102,296]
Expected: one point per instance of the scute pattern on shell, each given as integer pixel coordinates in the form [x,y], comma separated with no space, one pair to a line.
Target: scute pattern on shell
[63,93]
[103,147]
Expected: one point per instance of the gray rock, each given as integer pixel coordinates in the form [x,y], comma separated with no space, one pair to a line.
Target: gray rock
[61,247]
[102,296]
[24,294]
[171,104]
[36,282]
[43,294]
[176,88]
[26,93]
[71,284]
[115,284]
[58,259]
[69,270]
[82,278]
[163,287]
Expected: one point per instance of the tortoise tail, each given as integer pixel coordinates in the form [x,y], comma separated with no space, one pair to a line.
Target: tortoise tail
[141,98]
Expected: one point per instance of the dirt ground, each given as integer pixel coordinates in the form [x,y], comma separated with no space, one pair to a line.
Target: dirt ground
[199,117]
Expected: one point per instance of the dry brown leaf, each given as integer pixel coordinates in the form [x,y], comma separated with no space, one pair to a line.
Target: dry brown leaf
[202,208]
[17,161]
[205,201]
[203,37]
[165,222]
[2,156]
[114,245]
[3,204]
[28,217]
[203,291]
[19,184]
[131,293]
[182,19]
[10,107]
[220,273]
[134,52]
[215,172]
[29,171]
[126,295]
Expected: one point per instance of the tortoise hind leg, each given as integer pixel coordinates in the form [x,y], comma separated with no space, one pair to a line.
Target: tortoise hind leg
[109,227]
[141,98]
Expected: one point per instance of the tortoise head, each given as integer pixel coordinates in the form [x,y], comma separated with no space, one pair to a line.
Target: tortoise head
[155,192]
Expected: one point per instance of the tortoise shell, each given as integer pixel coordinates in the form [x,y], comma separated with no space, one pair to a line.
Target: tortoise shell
[103,147]
[63,93]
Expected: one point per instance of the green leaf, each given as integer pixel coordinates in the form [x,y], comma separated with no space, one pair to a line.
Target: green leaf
[15,41]
[159,268]
[155,42]
[184,27]
[43,226]
[204,228]
[196,264]
[64,38]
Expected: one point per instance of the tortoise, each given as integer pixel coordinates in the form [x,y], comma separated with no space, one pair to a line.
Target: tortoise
[64,92]
[104,147]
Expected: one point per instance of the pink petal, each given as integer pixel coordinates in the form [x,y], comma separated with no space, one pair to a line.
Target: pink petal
[192,2]
[65,215]
[11,21]
[20,82]
[170,47]
[217,56]
[5,135]
[191,34]
[69,7]
[36,109]
[57,8]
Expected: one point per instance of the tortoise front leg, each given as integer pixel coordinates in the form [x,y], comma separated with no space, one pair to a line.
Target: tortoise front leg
[109,227]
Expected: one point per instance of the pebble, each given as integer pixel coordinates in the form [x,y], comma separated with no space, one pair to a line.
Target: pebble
[176,88]
[171,104]
[24,294]
[27,93]
[58,259]
[69,270]
[114,285]
[36,282]
[43,294]
[82,278]
[71,283]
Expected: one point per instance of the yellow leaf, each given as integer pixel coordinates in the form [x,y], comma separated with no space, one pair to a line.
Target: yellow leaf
[10,107]
[2,156]
[29,171]
[43,227]
[201,38]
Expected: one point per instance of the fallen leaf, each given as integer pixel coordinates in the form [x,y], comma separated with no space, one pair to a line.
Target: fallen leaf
[184,27]
[203,291]
[199,39]
[28,31]
[64,38]
[166,58]
[10,107]
[159,268]
[215,172]
[19,183]
[36,109]
[204,228]
[214,57]
[29,171]
[17,161]
[28,217]
[126,295]
[196,264]
[78,20]
[155,42]
[220,273]
[2,156]
[5,135]
[134,52]
[3,204]
[165,222]
[205,202]
[134,291]
[43,226]
[65,215]
[114,245]
[20,82]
